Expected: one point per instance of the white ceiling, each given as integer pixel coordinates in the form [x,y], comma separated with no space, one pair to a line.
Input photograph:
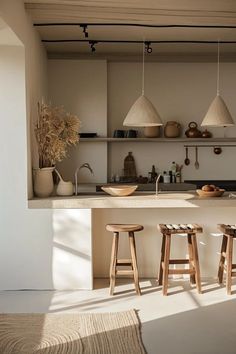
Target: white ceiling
[151,12]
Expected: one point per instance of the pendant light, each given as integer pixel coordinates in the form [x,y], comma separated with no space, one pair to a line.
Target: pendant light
[218,114]
[142,113]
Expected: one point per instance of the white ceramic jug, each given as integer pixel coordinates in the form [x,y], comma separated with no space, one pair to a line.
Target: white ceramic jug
[64,188]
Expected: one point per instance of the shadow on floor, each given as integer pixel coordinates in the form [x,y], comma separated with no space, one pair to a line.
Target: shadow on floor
[209,330]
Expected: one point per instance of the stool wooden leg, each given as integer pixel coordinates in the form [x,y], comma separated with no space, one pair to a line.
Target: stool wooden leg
[196,263]
[222,259]
[114,252]
[134,261]
[166,264]
[190,252]
[160,278]
[229,255]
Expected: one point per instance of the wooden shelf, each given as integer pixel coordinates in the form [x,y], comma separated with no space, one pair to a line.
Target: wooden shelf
[160,140]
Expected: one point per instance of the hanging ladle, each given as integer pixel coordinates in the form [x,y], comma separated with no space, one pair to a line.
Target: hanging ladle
[196,158]
[186,161]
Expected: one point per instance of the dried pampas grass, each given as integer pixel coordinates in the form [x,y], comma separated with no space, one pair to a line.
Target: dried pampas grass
[55,131]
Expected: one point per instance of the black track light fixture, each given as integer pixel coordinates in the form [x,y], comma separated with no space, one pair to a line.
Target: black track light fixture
[85,30]
[148,47]
[92,45]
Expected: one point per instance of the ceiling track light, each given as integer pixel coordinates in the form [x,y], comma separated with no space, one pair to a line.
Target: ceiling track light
[85,30]
[148,47]
[44,24]
[134,41]
[92,45]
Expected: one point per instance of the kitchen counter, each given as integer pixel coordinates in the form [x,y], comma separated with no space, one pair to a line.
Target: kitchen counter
[80,236]
[91,200]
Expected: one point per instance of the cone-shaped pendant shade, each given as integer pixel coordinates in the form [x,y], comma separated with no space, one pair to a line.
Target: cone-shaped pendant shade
[142,114]
[218,114]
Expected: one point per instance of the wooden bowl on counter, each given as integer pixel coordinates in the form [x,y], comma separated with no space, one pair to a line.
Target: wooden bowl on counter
[210,194]
[119,190]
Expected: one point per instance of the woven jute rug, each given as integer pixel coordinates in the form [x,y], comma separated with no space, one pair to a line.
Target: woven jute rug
[103,333]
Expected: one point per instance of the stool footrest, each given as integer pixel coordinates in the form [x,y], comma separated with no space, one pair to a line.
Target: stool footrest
[125,272]
[181,271]
[225,266]
[124,262]
[179,261]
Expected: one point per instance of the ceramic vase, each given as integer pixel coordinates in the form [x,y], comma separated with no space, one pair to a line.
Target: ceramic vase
[43,182]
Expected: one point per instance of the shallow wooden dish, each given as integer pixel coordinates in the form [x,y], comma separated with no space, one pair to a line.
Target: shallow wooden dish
[202,193]
[119,190]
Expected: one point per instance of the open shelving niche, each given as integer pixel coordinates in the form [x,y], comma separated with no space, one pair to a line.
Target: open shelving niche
[186,142]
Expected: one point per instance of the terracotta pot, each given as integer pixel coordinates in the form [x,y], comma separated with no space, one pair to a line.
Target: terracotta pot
[152,132]
[43,182]
[172,129]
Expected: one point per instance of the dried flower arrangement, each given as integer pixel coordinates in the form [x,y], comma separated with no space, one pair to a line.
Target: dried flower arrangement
[55,131]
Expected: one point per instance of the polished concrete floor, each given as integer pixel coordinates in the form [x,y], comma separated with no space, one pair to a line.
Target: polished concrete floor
[184,322]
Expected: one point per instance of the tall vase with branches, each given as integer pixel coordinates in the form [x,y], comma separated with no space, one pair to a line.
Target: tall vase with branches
[55,131]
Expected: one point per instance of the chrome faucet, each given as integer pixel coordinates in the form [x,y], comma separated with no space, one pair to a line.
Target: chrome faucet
[85,165]
[157,184]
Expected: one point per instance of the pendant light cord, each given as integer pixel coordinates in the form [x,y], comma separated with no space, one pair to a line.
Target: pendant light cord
[218,70]
[143,69]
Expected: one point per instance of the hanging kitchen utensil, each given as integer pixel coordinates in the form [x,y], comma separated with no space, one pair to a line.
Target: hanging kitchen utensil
[186,161]
[196,158]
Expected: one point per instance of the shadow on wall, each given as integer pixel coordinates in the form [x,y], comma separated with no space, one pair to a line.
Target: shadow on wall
[26,235]
[72,249]
[25,243]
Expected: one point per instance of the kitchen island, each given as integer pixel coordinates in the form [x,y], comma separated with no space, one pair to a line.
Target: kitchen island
[81,245]
[144,199]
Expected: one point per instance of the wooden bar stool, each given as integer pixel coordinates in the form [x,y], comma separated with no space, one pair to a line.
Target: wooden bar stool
[115,262]
[229,233]
[167,231]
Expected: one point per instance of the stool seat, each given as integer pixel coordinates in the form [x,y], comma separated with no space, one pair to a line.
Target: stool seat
[124,227]
[226,254]
[116,262]
[190,231]
[180,228]
[228,229]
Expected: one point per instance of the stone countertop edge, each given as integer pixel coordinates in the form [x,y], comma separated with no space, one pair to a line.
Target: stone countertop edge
[136,200]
